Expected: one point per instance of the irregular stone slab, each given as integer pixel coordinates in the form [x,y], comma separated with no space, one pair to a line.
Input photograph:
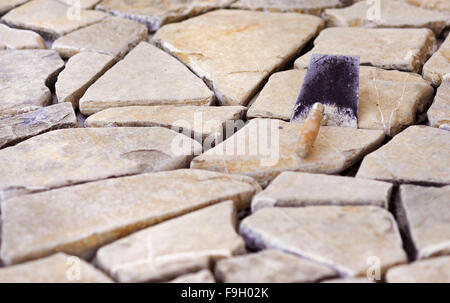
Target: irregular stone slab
[438,66]
[425,216]
[440,5]
[439,112]
[388,100]
[80,3]
[302,189]
[343,237]
[265,147]
[147,76]
[203,276]
[297,6]
[70,156]
[419,154]
[392,14]
[127,204]
[19,39]
[51,19]
[7,5]
[23,126]
[24,79]
[178,246]
[228,55]
[390,48]
[58,268]
[158,12]
[118,37]
[270,266]
[80,72]
[436,270]
[349,280]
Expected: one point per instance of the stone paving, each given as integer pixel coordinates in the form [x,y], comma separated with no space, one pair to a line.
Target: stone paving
[149,141]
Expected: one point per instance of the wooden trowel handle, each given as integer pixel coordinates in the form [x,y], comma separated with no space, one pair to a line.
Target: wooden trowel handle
[310,130]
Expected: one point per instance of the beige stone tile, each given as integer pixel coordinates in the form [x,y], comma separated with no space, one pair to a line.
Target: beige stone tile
[19,39]
[436,270]
[315,7]
[202,276]
[439,5]
[7,5]
[439,112]
[438,65]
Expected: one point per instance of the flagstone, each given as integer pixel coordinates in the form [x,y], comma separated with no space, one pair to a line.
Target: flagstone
[342,237]
[79,219]
[203,276]
[438,65]
[7,5]
[440,5]
[182,245]
[19,39]
[228,55]
[81,3]
[439,112]
[147,76]
[390,48]
[436,270]
[78,155]
[297,6]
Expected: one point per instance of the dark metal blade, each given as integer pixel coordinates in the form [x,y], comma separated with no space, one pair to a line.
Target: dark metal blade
[334,82]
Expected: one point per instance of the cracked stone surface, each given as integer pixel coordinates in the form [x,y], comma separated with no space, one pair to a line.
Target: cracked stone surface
[250,151]
[71,214]
[439,5]
[439,112]
[327,234]
[390,48]
[71,156]
[292,189]
[118,37]
[271,266]
[436,270]
[50,18]
[202,276]
[227,55]
[23,126]
[19,39]
[81,71]
[297,6]
[82,3]
[419,154]
[7,5]
[438,65]
[147,76]
[175,247]
[24,79]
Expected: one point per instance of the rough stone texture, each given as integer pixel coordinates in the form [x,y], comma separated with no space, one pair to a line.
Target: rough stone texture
[348,280]
[271,266]
[439,112]
[59,268]
[50,18]
[7,5]
[389,48]
[266,147]
[203,276]
[23,126]
[419,154]
[82,3]
[70,156]
[25,75]
[80,72]
[302,189]
[440,5]
[224,47]
[178,246]
[147,76]
[159,12]
[19,39]
[74,225]
[425,215]
[341,237]
[392,14]
[388,100]
[438,66]
[315,7]
[117,37]
[436,270]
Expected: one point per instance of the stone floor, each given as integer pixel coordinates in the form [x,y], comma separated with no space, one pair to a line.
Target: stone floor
[149,141]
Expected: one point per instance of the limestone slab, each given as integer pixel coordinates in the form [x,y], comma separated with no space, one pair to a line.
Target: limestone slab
[25,77]
[78,155]
[175,247]
[390,48]
[147,76]
[58,268]
[388,100]
[303,189]
[425,215]
[51,18]
[439,112]
[438,65]
[23,126]
[266,147]
[202,276]
[419,154]
[271,266]
[159,12]
[296,6]
[439,5]
[19,39]
[436,270]
[80,72]
[236,50]
[343,237]
[80,3]
[79,219]
[112,36]
[7,5]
